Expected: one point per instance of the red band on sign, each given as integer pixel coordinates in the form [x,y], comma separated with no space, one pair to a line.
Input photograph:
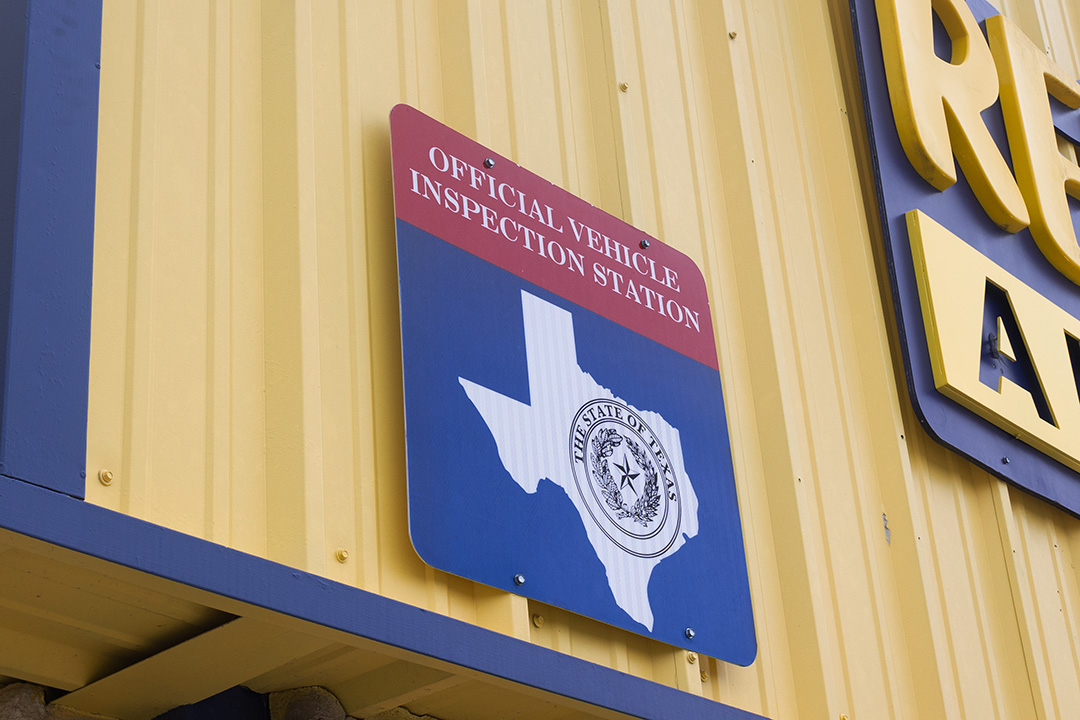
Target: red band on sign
[459,191]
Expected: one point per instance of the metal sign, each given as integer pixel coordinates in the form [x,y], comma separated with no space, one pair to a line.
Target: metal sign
[974,135]
[565,425]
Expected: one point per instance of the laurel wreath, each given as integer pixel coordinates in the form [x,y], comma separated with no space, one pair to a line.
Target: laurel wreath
[645,508]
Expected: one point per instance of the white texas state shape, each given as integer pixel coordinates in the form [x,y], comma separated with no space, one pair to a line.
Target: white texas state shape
[532,443]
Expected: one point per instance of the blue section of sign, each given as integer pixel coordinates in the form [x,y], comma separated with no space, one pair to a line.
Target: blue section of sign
[462,318]
[900,189]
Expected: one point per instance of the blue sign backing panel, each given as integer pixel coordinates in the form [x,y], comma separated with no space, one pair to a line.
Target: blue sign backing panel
[900,190]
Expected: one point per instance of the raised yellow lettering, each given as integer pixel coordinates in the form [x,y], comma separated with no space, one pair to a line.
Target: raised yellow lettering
[954,281]
[937,104]
[1028,78]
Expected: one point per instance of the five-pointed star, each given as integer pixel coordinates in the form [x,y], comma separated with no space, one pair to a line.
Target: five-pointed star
[627,476]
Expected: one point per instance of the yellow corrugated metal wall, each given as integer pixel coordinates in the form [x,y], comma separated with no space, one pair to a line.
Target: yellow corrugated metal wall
[246,370]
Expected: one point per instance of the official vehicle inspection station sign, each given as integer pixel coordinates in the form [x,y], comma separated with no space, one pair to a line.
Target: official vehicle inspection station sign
[565,426]
[974,133]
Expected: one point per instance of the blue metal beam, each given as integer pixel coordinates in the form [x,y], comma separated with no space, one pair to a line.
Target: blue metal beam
[117,538]
[49,67]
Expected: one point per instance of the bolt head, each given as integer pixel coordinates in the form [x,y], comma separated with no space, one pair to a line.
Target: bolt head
[704,676]
[342,555]
[691,657]
[733,34]
[690,633]
[644,243]
[624,86]
[519,579]
[489,163]
[105,476]
[538,620]
[1004,461]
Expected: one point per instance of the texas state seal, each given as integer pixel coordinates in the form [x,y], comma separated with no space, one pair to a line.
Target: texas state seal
[624,478]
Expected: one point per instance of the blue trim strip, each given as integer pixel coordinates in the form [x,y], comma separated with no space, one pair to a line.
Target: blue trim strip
[46,236]
[133,543]
[12,60]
